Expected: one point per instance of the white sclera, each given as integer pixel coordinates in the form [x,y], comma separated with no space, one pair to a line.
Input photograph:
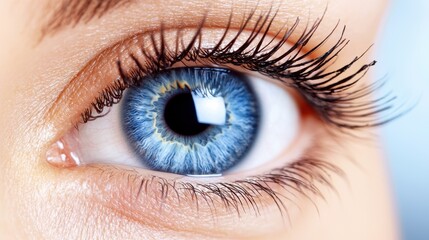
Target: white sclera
[278,127]
[103,140]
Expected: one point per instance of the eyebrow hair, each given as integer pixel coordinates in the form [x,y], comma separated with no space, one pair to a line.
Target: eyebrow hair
[73,12]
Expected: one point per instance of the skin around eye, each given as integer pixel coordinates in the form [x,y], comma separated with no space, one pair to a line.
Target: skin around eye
[339,190]
[302,178]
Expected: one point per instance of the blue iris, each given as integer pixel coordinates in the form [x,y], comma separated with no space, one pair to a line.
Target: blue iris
[191,120]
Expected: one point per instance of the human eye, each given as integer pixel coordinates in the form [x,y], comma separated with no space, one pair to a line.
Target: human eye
[193,121]
[212,121]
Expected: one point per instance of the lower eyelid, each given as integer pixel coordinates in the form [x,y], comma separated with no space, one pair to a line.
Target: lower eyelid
[144,200]
[159,203]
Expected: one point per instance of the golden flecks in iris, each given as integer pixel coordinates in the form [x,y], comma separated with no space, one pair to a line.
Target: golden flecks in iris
[173,85]
[163,89]
[157,134]
[182,85]
[176,84]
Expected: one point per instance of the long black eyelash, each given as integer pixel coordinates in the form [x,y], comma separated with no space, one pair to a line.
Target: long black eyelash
[333,93]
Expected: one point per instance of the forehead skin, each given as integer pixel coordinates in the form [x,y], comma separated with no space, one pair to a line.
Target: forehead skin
[27,62]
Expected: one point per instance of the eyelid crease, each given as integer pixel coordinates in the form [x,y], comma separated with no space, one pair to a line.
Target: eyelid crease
[70,13]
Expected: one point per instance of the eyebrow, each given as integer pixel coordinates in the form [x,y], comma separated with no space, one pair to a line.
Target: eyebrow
[66,13]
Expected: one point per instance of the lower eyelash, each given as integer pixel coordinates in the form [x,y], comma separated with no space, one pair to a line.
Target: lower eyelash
[298,177]
[280,186]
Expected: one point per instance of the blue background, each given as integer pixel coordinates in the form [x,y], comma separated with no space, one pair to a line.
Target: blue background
[403,52]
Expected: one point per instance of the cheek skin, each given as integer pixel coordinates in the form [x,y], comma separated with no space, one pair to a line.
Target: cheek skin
[36,204]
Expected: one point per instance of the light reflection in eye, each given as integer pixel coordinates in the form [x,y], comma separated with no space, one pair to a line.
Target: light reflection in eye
[209,109]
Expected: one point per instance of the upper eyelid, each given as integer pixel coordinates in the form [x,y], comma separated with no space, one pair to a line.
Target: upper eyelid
[81,81]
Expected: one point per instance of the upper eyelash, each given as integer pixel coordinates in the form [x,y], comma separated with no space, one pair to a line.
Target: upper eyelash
[329,92]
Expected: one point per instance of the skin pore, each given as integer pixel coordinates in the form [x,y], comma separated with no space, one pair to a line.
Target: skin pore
[39,201]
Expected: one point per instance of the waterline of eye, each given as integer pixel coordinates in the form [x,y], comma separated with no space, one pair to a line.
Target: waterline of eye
[204,175]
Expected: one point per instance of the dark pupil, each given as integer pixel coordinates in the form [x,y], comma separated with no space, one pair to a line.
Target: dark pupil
[180,115]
